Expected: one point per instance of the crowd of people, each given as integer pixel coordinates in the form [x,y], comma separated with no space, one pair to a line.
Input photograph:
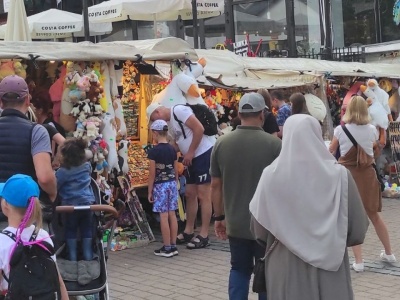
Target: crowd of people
[305,229]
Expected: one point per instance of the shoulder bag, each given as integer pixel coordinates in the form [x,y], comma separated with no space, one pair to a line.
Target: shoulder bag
[259,281]
[355,144]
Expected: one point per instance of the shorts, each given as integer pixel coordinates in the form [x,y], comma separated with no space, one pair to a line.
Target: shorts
[165,196]
[199,172]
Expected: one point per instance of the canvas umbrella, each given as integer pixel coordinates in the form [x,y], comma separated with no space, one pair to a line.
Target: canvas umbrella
[153,10]
[17,24]
[54,23]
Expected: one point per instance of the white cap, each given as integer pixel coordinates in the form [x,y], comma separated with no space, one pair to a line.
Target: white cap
[159,125]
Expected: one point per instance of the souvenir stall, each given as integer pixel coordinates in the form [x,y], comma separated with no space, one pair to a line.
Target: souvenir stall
[102,100]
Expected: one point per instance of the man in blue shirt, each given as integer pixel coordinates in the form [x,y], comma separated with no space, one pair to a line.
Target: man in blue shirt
[284,110]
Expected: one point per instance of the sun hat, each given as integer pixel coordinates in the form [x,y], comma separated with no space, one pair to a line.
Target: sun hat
[159,125]
[150,109]
[13,84]
[251,102]
[18,189]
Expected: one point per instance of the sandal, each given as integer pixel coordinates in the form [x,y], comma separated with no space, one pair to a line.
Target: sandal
[186,238]
[198,242]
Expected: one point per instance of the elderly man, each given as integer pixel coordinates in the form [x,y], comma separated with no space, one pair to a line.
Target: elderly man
[24,146]
[196,148]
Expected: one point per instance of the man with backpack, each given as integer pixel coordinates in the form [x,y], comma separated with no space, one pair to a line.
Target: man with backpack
[190,127]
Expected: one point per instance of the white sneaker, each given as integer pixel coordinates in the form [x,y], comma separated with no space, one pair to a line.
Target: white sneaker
[358,267]
[388,258]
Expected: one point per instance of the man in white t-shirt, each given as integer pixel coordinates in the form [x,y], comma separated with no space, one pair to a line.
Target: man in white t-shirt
[196,149]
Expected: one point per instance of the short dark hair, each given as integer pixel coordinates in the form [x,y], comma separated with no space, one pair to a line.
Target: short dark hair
[267,97]
[41,100]
[12,100]
[278,95]
[73,153]
[250,115]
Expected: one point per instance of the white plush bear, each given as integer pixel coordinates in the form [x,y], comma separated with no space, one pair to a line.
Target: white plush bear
[382,96]
[376,110]
[123,147]
[119,117]
[109,133]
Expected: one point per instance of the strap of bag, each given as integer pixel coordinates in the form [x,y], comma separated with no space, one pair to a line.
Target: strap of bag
[349,135]
[269,250]
[179,121]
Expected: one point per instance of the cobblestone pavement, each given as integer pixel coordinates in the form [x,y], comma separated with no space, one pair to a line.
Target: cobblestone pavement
[203,274]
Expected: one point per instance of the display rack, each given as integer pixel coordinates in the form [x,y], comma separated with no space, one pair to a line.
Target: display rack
[394,138]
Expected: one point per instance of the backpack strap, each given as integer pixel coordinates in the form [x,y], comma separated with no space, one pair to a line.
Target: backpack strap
[12,235]
[350,136]
[179,121]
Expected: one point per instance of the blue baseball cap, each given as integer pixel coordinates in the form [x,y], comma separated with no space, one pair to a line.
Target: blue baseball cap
[18,189]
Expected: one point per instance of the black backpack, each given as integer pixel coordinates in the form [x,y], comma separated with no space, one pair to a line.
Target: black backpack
[33,273]
[204,115]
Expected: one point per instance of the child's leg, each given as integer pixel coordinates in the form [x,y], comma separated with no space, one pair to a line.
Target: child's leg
[165,230]
[71,227]
[86,229]
[172,207]
[173,226]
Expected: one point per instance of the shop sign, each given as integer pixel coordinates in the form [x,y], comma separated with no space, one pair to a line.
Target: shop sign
[210,5]
[241,48]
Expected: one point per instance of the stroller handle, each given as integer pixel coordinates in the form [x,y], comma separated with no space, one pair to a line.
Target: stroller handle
[97,207]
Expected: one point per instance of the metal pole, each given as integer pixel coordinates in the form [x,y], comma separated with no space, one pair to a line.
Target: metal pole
[328,25]
[378,24]
[291,28]
[86,20]
[180,30]
[135,32]
[195,34]
[229,24]
[202,34]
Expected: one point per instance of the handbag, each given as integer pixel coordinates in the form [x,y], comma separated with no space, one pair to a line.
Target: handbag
[259,280]
[355,144]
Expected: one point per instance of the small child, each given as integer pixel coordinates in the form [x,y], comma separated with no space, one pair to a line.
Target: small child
[163,188]
[73,184]
[20,203]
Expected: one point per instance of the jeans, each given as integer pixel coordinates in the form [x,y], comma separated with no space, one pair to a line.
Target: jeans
[243,254]
[81,220]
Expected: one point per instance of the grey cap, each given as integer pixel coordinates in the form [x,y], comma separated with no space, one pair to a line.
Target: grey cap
[251,102]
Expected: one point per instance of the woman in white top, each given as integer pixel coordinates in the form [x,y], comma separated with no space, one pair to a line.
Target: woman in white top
[359,160]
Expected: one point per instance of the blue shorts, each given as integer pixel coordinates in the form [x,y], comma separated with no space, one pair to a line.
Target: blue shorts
[165,196]
[199,172]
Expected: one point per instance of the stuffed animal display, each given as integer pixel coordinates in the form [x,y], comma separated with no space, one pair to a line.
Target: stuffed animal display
[12,67]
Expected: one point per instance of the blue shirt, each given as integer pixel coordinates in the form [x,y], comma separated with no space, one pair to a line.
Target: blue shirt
[164,156]
[73,185]
[284,112]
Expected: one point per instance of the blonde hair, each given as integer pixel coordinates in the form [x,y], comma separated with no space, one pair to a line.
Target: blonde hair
[36,216]
[357,112]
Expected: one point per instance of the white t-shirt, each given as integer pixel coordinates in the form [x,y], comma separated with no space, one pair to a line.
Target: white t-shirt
[183,113]
[7,244]
[365,135]
[175,92]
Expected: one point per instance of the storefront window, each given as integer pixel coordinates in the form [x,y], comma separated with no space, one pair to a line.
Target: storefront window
[390,31]
[266,21]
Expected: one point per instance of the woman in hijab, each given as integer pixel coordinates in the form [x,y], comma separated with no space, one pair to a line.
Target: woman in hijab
[359,160]
[314,218]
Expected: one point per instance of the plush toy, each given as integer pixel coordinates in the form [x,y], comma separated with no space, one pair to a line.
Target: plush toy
[110,134]
[379,117]
[6,69]
[382,96]
[95,90]
[19,69]
[92,129]
[101,164]
[106,86]
[56,91]
[80,127]
[119,117]
[72,76]
[123,147]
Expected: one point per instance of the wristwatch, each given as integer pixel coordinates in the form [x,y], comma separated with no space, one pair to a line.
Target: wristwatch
[219,218]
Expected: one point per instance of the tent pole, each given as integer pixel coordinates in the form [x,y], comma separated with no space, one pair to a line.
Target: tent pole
[195,34]
[202,34]
[86,20]
[291,28]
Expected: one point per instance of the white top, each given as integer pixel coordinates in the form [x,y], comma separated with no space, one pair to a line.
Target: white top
[183,113]
[7,244]
[365,135]
[312,224]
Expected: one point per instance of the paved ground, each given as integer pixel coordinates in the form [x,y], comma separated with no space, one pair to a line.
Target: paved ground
[203,274]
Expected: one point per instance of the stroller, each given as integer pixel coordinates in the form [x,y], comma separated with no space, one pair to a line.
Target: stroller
[98,283]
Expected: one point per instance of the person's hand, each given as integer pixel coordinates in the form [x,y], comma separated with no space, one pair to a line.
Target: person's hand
[187,159]
[150,197]
[220,230]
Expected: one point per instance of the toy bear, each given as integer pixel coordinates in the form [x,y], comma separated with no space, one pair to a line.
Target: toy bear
[119,117]
[19,69]
[123,147]
[110,134]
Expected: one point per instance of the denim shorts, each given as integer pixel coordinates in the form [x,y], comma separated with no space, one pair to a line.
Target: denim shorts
[165,196]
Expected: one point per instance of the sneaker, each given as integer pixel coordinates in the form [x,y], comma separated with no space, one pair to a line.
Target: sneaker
[387,258]
[358,267]
[163,252]
[174,251]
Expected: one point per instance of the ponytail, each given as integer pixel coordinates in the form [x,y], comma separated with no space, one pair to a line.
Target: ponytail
[36,215]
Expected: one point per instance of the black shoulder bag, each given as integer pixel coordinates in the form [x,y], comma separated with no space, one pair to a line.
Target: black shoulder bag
[259,280]
[355,144]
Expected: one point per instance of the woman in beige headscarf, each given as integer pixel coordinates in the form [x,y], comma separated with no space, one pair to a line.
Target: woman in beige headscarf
[311,205]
